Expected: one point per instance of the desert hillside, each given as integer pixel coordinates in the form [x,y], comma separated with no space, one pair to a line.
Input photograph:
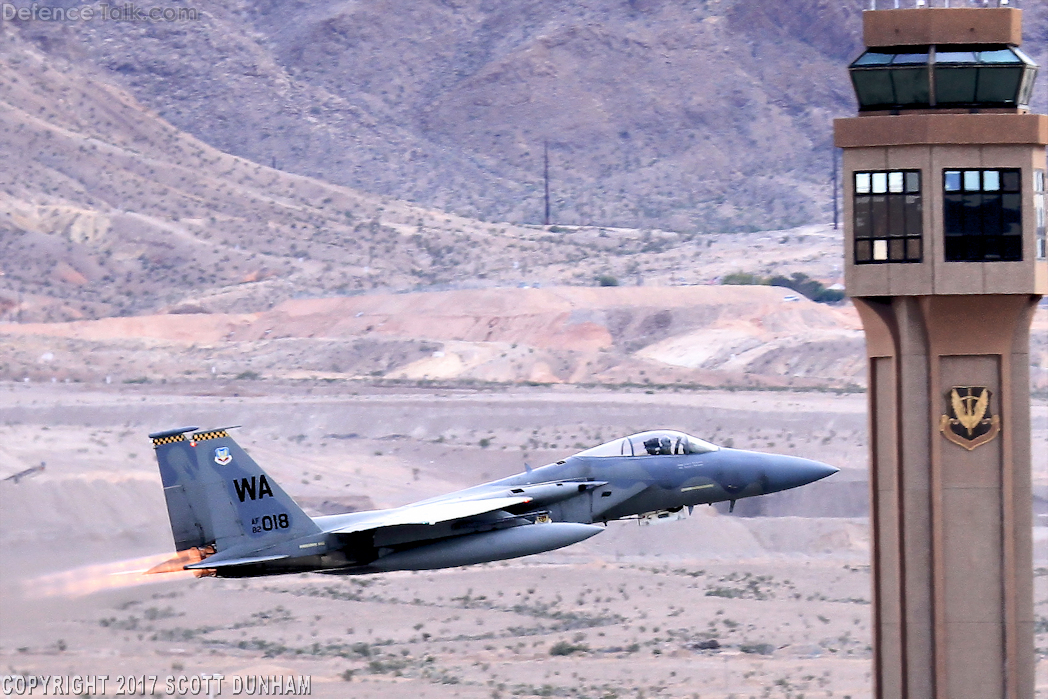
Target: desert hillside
[106,209]
[694,117]
[698,335]
[660,337]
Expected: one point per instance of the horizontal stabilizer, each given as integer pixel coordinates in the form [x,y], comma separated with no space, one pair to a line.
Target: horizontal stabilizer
[432,513]
[172,433]
[209,563]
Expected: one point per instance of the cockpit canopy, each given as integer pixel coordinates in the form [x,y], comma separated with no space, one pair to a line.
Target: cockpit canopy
[652,443]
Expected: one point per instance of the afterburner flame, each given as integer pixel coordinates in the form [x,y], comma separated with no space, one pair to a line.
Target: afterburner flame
[130,572]
[183,558]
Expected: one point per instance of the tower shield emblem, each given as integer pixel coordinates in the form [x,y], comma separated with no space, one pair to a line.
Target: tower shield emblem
[968,422]
[222,456]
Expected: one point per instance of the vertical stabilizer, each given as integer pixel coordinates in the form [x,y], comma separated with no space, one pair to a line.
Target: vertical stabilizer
[217,494]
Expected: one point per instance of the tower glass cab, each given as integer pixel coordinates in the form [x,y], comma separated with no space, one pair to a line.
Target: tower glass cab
[961,75]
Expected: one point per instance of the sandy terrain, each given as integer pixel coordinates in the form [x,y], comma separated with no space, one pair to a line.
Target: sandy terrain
[741,336]
[627,613]
[705,335]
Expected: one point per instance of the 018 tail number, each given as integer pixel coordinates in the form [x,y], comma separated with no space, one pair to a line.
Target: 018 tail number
[267,523]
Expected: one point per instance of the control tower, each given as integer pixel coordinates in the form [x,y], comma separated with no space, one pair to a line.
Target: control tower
[944,204]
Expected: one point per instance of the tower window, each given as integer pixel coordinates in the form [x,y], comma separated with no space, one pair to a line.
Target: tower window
[982,215]
[887,216]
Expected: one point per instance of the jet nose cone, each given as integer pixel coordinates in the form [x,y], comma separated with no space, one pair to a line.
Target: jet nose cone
[792,472]
[816,470]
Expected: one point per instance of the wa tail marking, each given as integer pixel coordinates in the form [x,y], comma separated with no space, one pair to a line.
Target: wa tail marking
[251,489]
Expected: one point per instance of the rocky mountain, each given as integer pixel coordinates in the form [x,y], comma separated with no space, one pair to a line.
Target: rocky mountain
[107,209]
[137,156]
[697,116]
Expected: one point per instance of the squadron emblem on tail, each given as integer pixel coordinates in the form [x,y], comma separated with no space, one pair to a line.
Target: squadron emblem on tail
[222,457]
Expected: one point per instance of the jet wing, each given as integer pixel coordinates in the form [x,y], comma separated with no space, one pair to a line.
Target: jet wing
[429,513]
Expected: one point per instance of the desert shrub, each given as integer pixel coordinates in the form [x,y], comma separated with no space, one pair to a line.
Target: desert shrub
[567,648]
[757,648]
[812,288]
[798,281]
[742,279]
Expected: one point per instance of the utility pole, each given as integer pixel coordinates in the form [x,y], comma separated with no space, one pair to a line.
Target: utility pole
[545,178]
[833,156]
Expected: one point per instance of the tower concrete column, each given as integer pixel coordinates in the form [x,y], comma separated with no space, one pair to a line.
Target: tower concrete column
[944,201]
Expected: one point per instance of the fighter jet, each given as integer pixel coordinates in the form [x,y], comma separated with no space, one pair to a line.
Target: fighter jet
[231,519]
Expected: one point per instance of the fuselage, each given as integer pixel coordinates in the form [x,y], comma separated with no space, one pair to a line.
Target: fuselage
[637,485]
[233,520]
[586,489]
